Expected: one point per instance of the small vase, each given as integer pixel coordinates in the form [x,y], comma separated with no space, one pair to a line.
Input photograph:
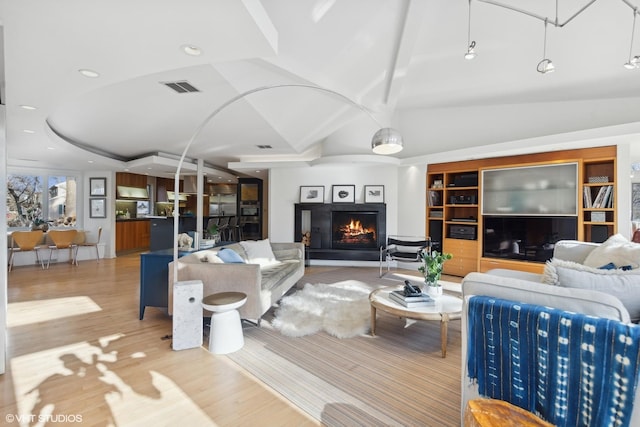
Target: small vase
[435,291]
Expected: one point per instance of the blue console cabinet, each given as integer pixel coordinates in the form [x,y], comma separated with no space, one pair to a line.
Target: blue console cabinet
[154,278]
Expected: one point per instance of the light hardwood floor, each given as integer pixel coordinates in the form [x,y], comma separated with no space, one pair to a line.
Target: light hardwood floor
[77,351]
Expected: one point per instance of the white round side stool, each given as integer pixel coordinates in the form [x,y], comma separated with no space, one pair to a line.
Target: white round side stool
[225,335]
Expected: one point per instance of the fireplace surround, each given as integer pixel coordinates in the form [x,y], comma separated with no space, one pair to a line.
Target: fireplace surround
[342,231]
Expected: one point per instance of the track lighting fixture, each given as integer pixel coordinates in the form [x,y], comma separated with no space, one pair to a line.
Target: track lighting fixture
[634,62]
[545,66]
[471,44]
[470,52]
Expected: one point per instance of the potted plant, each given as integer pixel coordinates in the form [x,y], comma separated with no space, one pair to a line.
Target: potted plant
[213,232]
[431,269]
[40,224]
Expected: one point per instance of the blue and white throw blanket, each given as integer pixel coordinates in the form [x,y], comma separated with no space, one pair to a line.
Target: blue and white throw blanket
[570,369]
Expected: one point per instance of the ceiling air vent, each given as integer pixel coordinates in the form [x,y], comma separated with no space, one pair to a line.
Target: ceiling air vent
[264,147]
[182,86]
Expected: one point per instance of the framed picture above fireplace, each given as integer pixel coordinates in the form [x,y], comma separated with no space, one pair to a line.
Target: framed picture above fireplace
[343,193]
[312,194]
[374,193]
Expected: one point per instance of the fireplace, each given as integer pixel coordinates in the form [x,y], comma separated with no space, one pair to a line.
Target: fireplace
[341,231]
[354,230]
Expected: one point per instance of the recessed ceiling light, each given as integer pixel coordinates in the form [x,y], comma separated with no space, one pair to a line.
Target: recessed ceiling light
[90,161]
[50,148]
[27,107]
[89,73]
[191,50]
[28,131]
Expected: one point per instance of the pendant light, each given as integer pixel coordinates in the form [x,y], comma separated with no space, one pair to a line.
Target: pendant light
[386,141]
[470,44]
[545,66]
[634,62]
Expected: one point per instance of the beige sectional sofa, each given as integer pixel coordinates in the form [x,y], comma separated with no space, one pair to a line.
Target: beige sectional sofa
[263,270]
[570,282]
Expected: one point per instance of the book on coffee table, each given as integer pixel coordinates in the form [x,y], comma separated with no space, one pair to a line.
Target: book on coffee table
[420,297]
[413,301]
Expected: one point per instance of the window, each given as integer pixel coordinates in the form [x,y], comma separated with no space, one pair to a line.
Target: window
[635,202]
[28,204]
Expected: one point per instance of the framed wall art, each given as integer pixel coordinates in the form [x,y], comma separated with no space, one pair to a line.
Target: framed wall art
[343,194]
[98,208]
[97,187]
[374,193]
[312,194]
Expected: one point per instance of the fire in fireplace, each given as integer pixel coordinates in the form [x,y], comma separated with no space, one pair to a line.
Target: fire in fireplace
[354,230]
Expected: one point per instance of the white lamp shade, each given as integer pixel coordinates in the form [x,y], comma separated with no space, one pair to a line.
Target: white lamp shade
[386,141]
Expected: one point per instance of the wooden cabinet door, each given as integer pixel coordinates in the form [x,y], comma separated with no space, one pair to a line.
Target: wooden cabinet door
[465,256]
[132,235]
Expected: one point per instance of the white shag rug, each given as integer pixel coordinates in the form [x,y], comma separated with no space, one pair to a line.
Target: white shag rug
[341,309]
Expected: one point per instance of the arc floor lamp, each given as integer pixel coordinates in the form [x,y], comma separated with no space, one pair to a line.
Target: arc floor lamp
[385,141]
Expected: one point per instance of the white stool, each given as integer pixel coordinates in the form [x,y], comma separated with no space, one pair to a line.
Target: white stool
[225,335]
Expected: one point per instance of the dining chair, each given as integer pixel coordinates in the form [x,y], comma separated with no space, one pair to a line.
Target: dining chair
[86,244]
[63,239]
[25,241]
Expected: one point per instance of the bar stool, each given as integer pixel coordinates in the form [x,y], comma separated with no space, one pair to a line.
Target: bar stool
[225,335]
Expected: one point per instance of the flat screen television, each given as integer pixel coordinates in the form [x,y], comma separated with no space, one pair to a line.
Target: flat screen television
[525,238]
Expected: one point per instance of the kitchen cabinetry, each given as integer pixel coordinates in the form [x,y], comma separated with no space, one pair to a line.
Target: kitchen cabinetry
[250,208]
[162,186]
[127,179]
[132,235]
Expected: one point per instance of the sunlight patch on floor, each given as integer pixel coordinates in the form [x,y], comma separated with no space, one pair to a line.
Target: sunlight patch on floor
[40,380]
[28,312]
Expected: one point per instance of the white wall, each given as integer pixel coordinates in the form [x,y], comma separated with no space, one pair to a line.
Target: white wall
[284,192]
[412,190]
[91,225]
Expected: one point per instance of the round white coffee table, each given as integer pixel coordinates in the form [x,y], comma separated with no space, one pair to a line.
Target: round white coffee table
[225,335]
[447,307]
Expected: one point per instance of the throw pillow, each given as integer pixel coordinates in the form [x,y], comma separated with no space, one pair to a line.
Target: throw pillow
[625,285]
[617,250]
[230,256]
[259,252]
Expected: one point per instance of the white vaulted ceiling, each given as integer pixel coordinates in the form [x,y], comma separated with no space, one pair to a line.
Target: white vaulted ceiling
[401,60]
